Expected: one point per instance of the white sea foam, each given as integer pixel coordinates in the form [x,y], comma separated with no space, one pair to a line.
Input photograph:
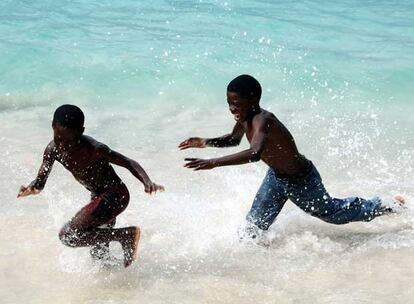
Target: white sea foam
[148,74]
[190,250]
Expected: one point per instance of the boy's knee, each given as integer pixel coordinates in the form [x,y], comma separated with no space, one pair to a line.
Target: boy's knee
[67,236]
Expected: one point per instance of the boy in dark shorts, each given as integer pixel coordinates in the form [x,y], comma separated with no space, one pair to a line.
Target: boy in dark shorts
[90,161]
[290,174]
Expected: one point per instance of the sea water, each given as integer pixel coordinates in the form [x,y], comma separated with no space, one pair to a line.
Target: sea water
[150,74]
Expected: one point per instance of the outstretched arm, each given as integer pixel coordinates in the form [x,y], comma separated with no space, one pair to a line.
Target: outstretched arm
[228,140]
[130,164]
[252,154]
[39,183]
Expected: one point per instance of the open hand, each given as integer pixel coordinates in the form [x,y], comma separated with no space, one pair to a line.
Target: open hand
[27,190]
[199,164]
[151,187]
[193,142]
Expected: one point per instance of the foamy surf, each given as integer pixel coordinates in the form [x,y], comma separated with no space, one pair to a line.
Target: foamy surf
[149,75]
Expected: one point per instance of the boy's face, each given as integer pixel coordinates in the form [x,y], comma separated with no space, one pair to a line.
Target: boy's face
[240,107]
[65,138]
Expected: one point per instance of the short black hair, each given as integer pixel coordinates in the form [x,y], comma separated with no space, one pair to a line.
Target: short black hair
[69,116]
[245,86]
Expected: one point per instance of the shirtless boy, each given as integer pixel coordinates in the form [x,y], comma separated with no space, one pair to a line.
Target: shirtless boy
[290,174]
[90,161]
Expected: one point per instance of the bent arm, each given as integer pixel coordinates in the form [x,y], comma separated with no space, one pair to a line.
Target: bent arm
[228,140]
[123,161]
[45,168]
[253,154]
[39,182]
[130,164]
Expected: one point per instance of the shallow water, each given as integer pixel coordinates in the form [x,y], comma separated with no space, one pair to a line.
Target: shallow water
[150,75]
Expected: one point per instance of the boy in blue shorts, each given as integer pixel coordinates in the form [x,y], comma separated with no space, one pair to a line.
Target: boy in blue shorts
[290,174]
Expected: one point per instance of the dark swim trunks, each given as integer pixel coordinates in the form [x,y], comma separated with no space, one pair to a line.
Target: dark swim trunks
[101,211]
[107,205]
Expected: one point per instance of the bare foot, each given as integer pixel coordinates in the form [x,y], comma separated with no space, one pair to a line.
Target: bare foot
[130,246]
[396,206]
[399,199]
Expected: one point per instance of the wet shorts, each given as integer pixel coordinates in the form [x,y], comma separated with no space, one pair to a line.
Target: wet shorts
[107,205]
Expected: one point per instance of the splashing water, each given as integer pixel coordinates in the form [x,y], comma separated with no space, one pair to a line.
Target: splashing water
[148,76]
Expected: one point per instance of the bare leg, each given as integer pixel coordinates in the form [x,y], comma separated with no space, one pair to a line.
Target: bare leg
[83,230]
[130,247]
[101,251]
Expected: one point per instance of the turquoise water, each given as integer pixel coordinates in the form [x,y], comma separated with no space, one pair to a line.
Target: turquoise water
[150,74]
[131,51]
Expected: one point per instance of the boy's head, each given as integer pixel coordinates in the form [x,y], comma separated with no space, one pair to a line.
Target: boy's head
[243,96]
[67,125]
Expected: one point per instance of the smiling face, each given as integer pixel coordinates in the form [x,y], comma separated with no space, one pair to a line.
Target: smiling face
[241,107]
[65,138]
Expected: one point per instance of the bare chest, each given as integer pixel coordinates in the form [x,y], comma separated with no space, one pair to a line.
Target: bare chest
[77,162]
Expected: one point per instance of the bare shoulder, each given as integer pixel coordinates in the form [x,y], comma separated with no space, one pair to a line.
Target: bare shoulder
[266,119]
[94,145]
[50,146]
[273,125]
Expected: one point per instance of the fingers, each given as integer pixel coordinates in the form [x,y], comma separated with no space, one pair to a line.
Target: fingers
[194,163]
[153,188]
[192,142]
[21,190]
[185,142]
[25,191]
[160,188]
[202,167]
[184,145]
[198,164]
[149,189]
